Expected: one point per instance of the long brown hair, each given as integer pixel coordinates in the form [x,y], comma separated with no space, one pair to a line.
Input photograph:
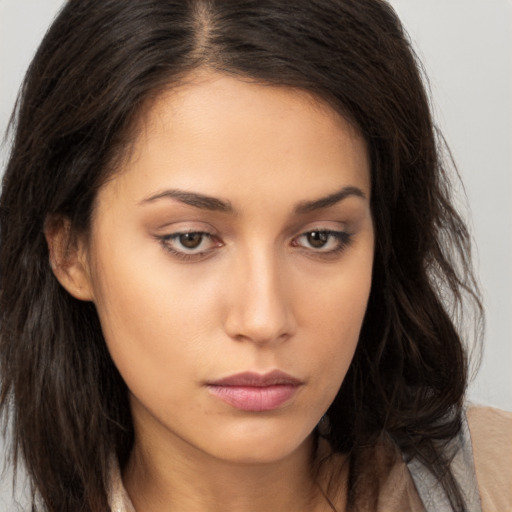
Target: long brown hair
[96,69]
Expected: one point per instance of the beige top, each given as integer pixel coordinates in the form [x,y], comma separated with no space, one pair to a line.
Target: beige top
[491,439]
[491,436]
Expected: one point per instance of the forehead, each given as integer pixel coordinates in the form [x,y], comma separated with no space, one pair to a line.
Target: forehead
[215,131]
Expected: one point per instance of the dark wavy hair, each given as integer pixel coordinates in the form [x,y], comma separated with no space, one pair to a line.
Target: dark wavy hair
[90,82]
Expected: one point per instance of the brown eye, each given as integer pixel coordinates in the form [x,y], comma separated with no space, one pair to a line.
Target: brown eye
[191,240]
[318,239]
[323,241]
[190,245]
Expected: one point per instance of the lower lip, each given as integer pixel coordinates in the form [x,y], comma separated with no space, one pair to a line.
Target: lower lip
[252,398]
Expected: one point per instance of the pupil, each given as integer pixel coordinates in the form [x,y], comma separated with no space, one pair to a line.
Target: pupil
[317,239]
[191,240]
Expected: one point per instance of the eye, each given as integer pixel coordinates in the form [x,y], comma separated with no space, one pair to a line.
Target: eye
[189,244]
[190,240]
[323,241]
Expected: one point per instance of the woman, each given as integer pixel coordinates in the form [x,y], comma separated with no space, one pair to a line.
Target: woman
[229,259]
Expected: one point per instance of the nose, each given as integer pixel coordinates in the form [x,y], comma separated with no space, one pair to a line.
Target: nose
[260,306]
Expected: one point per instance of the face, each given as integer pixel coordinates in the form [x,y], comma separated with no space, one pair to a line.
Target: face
[230,263]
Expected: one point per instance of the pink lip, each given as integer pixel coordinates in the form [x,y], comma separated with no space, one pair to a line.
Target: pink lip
[255,392]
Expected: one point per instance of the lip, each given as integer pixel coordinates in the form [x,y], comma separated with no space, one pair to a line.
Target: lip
[250,391]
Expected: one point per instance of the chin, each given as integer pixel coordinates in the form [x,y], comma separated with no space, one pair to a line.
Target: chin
[261,445]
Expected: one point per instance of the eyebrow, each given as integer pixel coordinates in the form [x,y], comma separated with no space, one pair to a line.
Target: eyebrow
[205,202]
[328,201]
[194,199]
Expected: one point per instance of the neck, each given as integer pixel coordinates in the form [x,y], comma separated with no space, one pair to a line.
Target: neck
[187,479]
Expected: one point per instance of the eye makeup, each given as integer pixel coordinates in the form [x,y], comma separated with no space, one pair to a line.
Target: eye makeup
[323,242]
[190,245]
[195,245]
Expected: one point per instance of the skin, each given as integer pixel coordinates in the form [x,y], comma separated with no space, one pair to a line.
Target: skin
[256,295]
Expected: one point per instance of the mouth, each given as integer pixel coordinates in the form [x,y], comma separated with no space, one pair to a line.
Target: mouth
[256,392]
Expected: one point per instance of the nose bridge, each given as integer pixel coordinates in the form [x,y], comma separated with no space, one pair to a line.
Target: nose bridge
[259,309]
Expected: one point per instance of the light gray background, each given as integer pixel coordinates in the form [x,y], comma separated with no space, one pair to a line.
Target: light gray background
[466,47]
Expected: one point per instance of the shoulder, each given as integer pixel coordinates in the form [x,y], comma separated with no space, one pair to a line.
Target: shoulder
[491,439]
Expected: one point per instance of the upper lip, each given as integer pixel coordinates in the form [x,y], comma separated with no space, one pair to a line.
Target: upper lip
[254,379]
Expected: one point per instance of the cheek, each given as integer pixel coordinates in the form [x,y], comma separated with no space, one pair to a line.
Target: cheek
[336,306]
[154,324]
[333,317]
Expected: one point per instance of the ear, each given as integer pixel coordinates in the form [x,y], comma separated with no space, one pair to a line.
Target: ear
[68,257]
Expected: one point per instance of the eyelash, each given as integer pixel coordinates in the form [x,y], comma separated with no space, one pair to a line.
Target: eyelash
[166,241]
[342,238]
